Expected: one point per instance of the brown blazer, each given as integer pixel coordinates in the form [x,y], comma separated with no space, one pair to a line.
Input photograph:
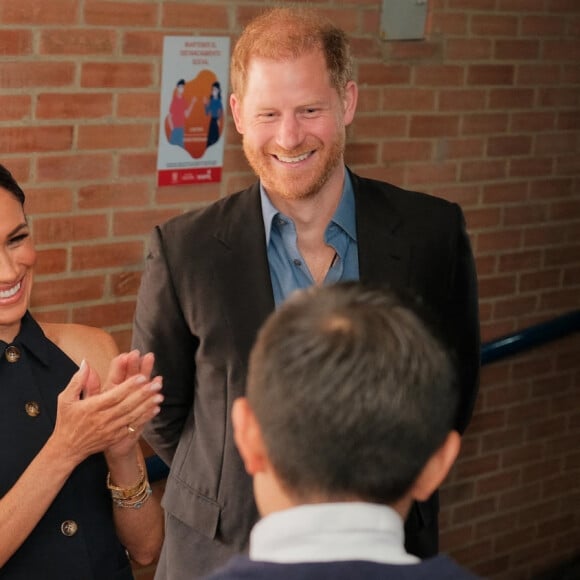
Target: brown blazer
[205,292]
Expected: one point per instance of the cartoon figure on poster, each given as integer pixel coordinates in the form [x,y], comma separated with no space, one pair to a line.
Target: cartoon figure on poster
[178,113]
[195,122]
[214,108]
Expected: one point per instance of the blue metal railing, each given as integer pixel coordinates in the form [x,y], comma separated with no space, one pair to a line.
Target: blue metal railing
[531,337]
[492,351]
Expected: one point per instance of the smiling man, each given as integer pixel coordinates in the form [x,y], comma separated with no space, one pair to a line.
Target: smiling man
[214,275]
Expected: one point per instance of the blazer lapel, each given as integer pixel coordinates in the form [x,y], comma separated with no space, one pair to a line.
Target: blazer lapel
[384,258]
[242,264]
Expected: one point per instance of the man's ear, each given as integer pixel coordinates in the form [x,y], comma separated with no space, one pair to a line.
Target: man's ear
[437,467]
[236,107]
[248,437]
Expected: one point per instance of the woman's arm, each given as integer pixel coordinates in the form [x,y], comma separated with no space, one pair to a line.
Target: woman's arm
[140,530]
[83,426]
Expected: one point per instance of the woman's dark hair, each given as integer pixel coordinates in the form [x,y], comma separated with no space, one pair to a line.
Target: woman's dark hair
[8,183]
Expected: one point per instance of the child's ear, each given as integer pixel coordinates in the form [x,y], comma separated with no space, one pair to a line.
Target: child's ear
[248,437]
[437,467]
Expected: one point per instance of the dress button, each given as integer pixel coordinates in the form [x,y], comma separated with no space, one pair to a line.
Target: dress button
[32,409]
[12,354]
[69,528]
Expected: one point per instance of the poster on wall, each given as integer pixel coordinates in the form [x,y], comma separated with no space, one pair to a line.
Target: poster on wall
[194,88]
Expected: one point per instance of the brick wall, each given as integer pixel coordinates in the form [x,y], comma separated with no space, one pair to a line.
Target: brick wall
[485,112]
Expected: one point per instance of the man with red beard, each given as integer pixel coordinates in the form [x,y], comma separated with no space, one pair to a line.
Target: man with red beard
[213,275]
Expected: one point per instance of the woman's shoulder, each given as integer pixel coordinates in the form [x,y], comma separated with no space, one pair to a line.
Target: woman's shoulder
[79,342]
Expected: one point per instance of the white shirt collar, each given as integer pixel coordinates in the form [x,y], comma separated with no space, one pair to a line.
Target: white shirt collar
[331,532]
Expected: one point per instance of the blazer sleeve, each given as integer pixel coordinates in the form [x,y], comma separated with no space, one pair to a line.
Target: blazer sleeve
[463,323]
[160,327]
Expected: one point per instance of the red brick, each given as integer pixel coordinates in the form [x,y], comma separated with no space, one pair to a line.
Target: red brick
[474,510]
[568,121]
[439,75]
[38,13]
[125,283]
[99,196]
[512,98]
[408,150]
[138,105]
[484,123]
[103,315]
[474,552]
[542,469]
[179,15]
[143,43]
[494,525]
[561,256]
[115,74]
[456,537]
[490,74]
[107,255]
[509,145]
[538,74]
[517,50]
[532,166]
[379,126]
[78,166]
[382,74]
[468,49]
[525,215]
[520,496]
[355,154]
[67,291]
[482,217]
[73,105]
[497,482]
[497,286]
[403,50]
[122,136]
[413,99]
[558,97]
[500,240]
[506,543]
[15,75]
[494,25]
[52,261]
[552,187]
[513,307]
[542,25]
[505,192]
[429,173]
[450,23]
[470,5]
[452,493]
[14,107]
[15,42]
[137,164]
[478,466]
[101,12]
[140,222]
[483,170]
[462,100]
[70,229]
[521,5]
[561,49]
[461,148]
[35,139]
[77,42]
[41,200]
[504,439]
[434,126]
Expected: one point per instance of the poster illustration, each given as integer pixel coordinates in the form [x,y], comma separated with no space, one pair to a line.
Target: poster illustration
[194,89]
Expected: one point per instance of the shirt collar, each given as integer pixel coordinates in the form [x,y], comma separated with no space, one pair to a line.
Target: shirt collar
[331,532]
[344,216]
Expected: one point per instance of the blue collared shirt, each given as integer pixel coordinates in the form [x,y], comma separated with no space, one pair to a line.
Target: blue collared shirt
[288,270]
